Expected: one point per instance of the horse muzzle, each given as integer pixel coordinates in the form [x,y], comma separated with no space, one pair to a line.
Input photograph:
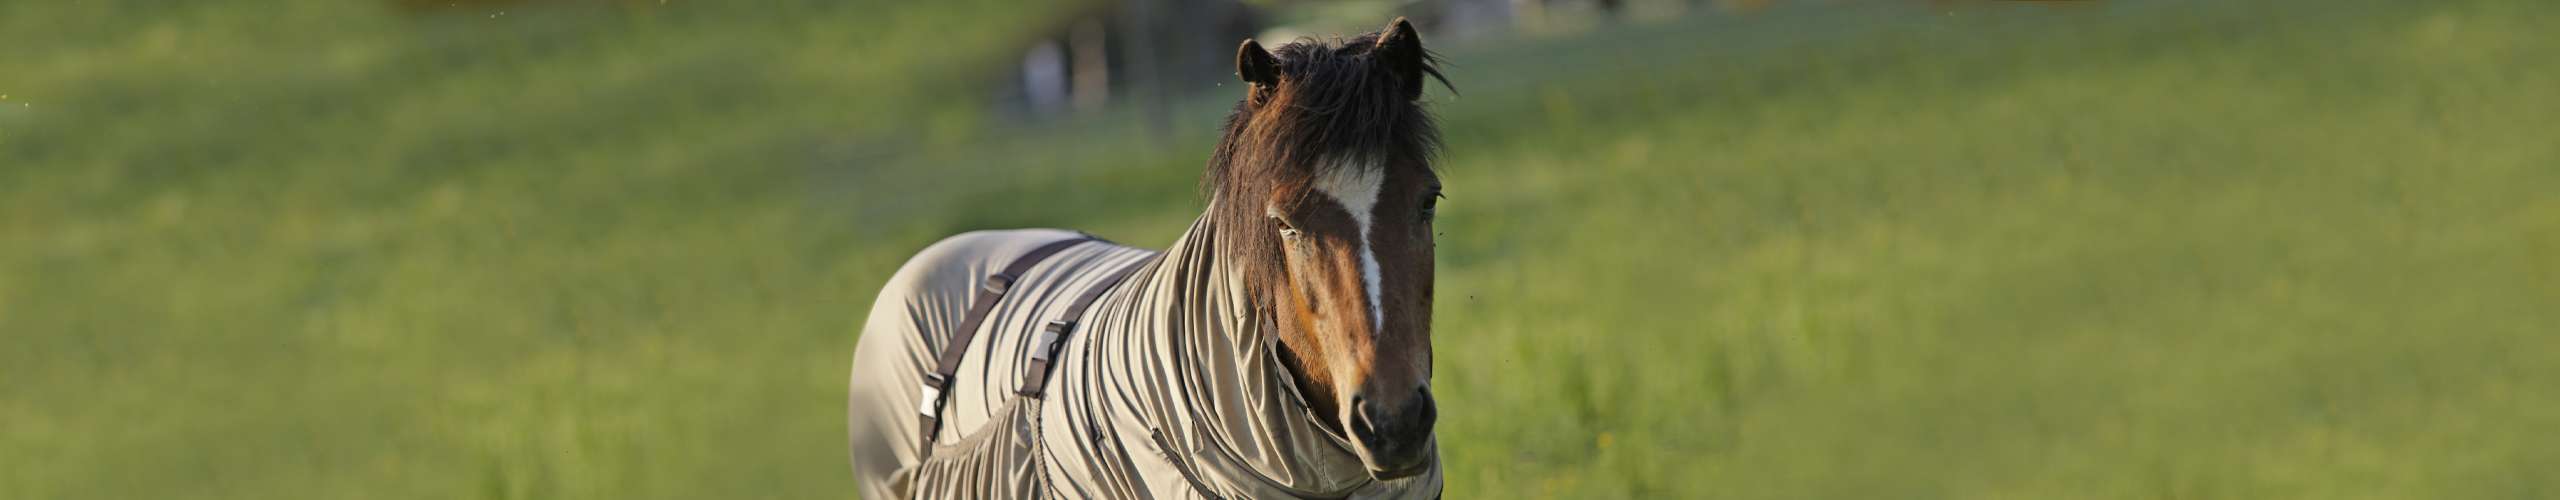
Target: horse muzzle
[1394,441]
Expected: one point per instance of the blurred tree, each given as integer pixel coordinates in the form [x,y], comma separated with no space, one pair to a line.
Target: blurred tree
[1143,53]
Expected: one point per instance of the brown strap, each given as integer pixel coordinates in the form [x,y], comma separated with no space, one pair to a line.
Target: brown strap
[937,386]
[1045,348]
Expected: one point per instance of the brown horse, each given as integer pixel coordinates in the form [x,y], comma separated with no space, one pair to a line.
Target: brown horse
[1280,347]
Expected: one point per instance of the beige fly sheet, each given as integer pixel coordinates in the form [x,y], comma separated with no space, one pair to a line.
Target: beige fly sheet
[1164,388]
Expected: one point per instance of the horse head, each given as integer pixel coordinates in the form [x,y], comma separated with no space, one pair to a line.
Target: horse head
[1323,187]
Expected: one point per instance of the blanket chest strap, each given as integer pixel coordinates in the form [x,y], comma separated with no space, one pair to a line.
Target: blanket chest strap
[937,385]
[1044,350]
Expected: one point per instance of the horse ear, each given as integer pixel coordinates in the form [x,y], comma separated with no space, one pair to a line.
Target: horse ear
[1255,65]
[1400,50]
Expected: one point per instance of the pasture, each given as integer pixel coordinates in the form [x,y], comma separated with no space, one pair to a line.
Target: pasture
[2122,249]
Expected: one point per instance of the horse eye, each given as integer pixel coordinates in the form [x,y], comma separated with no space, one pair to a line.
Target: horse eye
[1286,230]
[1430,207]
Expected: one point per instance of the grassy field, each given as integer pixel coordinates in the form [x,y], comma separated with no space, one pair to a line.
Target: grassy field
[2166,249]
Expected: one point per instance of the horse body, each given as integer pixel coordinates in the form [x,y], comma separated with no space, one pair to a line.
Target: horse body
[1280,348]
[1165,389]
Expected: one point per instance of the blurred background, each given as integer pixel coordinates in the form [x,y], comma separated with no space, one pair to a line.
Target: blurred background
[1692,248]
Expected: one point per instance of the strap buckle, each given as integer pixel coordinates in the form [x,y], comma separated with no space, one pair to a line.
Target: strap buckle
[930,396]
[1046,345]
[997,283]
[931,406]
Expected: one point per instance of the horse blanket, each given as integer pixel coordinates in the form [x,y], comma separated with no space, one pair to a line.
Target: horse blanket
[1164,389]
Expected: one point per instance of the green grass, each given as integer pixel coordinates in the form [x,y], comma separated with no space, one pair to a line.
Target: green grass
[2284,249]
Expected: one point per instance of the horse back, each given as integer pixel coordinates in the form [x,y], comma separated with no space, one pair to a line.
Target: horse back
[918,313]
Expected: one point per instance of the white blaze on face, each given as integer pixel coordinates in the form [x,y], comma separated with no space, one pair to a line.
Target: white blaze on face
[1356,188]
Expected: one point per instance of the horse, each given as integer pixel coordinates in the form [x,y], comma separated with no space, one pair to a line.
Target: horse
[1280,347]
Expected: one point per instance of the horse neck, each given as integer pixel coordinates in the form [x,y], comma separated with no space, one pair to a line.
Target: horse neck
[1209,369]
[1199,313]
[1204,301]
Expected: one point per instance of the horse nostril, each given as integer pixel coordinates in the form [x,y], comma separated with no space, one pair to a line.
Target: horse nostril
[1364,420]
[1425,412]
[1378,425]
